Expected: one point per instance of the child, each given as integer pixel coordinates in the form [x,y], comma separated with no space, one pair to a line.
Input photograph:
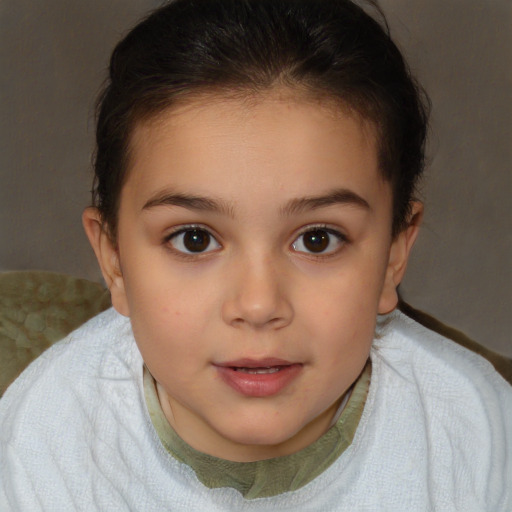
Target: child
[253,215]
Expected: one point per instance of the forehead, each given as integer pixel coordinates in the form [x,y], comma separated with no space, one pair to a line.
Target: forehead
[239,147]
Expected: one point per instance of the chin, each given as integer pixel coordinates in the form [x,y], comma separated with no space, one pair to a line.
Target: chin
[271,439]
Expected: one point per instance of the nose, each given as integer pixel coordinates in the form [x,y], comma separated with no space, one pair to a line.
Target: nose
[257,296]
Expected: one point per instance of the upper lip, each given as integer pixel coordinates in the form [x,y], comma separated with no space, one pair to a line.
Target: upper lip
[266,362]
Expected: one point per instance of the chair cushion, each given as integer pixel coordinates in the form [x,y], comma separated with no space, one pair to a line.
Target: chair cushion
[37,309]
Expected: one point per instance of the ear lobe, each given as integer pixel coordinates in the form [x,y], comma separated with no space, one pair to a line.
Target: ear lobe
[398,257]
[108,258]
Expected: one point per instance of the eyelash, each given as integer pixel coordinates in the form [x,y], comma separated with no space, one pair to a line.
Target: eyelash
[182,230]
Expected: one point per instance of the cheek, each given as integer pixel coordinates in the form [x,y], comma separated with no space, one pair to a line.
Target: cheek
[169,293]
[169,316]
[167,313]
[342,307]
[169,342]
[353,289]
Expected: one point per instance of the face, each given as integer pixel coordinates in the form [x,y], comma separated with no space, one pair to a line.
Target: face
[254,252]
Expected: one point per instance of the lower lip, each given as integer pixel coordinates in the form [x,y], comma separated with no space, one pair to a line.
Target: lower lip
[259,384]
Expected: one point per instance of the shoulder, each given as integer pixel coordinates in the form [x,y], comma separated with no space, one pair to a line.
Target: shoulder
[84,349]
[65,380]
[448,403]
[67,412]
[443,373]
[428,355]
[440,415]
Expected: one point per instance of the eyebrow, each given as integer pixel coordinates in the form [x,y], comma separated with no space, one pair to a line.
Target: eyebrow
[340,196]
[190,202]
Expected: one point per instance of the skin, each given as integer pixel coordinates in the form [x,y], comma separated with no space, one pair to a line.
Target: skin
[257,291]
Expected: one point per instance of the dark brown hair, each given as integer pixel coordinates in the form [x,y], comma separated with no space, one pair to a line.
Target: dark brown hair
[328,47]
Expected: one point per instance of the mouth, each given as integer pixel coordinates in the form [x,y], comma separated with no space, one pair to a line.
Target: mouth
[259,378]
[259,371]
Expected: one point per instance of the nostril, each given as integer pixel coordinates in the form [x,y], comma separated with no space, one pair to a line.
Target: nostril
[275,322]
[257,300]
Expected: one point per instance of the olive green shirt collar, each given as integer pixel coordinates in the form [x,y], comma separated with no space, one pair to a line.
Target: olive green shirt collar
[267,477]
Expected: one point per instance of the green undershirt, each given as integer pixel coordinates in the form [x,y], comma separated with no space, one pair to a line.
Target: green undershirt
[267,477]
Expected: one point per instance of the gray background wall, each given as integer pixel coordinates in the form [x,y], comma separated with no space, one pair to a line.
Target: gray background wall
[53,55]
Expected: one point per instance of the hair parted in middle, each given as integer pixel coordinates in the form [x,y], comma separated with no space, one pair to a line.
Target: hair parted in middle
[325,48]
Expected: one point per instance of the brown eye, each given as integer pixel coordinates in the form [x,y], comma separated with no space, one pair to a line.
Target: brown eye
[315,241]
[196,241]
[193,240]
[319,241]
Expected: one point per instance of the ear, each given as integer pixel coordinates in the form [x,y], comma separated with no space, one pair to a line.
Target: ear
[108,258]
[398,256]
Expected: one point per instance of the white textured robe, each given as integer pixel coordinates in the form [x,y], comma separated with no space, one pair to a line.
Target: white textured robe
[435,434]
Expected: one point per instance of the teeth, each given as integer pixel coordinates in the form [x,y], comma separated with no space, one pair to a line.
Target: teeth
[258,371]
